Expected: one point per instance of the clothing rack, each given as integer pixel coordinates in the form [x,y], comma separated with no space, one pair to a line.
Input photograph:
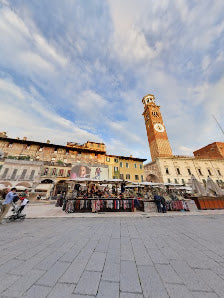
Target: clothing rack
[97,204]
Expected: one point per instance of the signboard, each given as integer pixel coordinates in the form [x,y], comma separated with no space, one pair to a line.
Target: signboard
[79,170]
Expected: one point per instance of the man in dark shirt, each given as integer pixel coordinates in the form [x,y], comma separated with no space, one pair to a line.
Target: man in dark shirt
[163,202]
[157,200]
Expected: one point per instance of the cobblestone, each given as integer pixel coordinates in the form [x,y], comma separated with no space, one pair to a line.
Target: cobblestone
[133,257]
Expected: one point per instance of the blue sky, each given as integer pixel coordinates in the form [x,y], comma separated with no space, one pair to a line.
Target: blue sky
[77,70]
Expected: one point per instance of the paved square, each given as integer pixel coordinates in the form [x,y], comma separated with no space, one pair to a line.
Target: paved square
[179,256]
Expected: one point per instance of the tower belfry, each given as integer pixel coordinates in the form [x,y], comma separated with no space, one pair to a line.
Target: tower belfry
[157,137]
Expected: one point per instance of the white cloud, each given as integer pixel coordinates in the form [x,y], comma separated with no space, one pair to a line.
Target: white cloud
[186,150]
[47,50]
[28,112]
[82,71]
[7,88]
[22,46]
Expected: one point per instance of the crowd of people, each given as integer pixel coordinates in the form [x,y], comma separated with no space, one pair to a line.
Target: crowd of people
[95,197]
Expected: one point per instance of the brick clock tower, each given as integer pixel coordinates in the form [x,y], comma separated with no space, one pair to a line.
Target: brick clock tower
[157,137]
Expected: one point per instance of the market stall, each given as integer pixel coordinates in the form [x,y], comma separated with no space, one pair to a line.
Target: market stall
[116,195]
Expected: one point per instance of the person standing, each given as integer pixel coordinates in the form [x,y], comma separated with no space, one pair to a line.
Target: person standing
[7,202]
[163,202]
[157,200]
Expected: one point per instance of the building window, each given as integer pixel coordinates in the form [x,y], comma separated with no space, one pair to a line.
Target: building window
[121,176]
[183,182]
[219,172]
[128,176]
[23,174]
[68,173]
[209,172]
[167,171]
[27,147]
[168,180]
[178,171]
[45,171]
[136,177]
[61,172]
[204,182]
[115,169]
[14,174]
[189,171]
[116,160]
[121,164]
[41,149]
[54,172]
[200,173]
[107,158]
[175,181]
[5,173]
[142,178]
[135,165]
[127,165]
[155,114]
[10,145]
[140,166]
[32,174]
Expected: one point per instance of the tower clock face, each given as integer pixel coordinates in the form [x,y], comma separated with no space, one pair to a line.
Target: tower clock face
[159,127]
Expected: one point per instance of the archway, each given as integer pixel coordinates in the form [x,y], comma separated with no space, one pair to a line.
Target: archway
[61,187]
[47,181]
[25,184]
[6,183]
[152,178]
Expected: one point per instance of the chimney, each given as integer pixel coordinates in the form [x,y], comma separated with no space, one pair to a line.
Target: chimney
[24,138]
[48,141]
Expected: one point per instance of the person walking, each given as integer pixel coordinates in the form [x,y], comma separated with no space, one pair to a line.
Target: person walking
[157,200]
[7,203]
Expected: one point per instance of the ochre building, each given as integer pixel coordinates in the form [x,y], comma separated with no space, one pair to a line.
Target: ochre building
[168,168]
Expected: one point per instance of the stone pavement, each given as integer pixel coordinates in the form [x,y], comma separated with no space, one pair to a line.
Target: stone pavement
[127,257]
[46,210]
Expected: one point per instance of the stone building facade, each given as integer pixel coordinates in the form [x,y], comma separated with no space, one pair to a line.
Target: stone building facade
[168,168]
[126,168]
[178,170]
[59,158]
[24,173]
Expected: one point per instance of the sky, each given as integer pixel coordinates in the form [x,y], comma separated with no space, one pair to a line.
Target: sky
[77,70]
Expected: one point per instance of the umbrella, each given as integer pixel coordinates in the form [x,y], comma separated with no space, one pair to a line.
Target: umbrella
[197,187]
[133,186]
[2,186]
[212,188]
[21,187]
[151,183]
